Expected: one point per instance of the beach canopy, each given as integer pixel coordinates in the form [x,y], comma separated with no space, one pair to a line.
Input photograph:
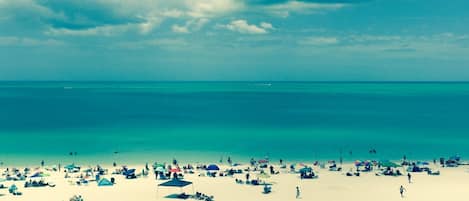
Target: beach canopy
[175,183]
[105,182]
[387,163]
[212,167]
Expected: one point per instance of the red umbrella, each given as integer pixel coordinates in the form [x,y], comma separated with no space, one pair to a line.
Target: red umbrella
[173,170]
[263,161]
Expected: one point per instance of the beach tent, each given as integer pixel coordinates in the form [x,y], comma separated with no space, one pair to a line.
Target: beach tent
[177,183]
[212,167]
[105,182]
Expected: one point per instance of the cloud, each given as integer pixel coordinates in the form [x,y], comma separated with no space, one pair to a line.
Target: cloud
[107,17]
[319,41]
[179,29]
[22,41]
[210,8]
[243,27]
[266,25]
[190,25]
[285,8]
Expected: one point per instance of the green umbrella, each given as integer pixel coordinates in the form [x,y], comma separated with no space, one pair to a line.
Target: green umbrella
[389,164]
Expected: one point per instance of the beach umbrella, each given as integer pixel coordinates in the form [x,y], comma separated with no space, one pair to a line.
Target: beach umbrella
[263,161]
[420,163]
[298,165]
[13,188]
[129,172]
[358,163]
[173,170]
[387,163]
[212,167]
[70,167]
[39,174]
[155,165]
[306,169]
[160,169]
[175,183]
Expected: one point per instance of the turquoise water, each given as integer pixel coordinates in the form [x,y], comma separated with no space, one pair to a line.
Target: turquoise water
[203,121]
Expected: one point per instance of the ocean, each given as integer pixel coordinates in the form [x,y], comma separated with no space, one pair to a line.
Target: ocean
[137,122]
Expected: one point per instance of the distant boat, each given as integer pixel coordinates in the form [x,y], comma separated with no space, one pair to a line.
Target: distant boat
[265,84]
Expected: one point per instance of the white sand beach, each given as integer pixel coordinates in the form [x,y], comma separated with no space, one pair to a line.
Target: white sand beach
[451,184]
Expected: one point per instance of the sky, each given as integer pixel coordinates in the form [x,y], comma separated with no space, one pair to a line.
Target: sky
[234,40]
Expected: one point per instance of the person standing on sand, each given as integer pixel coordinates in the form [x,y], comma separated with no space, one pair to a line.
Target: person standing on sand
[297,192]
[42,163]
[409,177]
[401,190]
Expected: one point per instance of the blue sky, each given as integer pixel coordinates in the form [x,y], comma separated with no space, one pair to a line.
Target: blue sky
[285,40]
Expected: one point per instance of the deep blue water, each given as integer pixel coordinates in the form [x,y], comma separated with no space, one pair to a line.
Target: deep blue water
[197,121]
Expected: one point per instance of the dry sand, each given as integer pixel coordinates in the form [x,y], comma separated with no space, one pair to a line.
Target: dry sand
[452,184]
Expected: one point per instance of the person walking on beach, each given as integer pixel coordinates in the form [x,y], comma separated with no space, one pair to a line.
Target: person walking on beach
[409,177]
[401,190]
[42,163]
[297,192]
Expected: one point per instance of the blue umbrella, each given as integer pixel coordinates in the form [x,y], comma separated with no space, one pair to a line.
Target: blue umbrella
[212,167]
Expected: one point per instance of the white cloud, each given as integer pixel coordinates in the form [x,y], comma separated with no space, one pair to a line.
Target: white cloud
[210,8]
[285,9]
[97,31]
[319,41]
[179,29]
[243,27]
[190,25]
[24,41]
[266,25]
